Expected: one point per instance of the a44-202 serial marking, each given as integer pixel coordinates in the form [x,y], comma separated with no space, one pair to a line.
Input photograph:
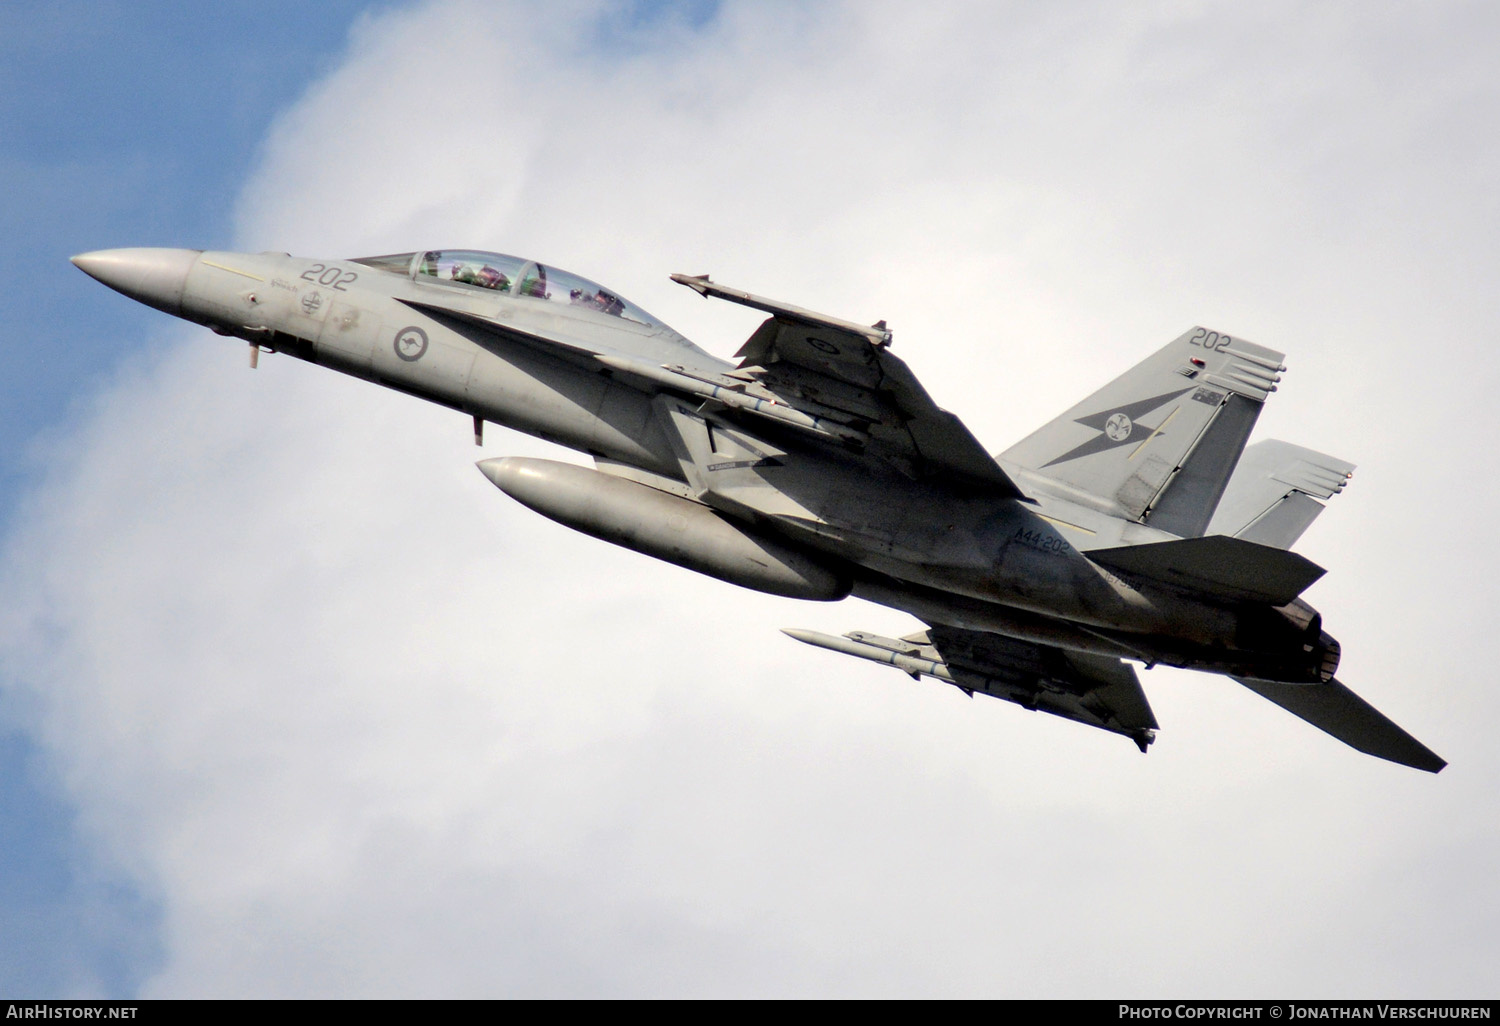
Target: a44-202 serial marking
[330,275]
[1049,543]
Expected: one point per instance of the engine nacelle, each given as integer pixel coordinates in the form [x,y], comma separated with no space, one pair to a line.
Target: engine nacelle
[668,527]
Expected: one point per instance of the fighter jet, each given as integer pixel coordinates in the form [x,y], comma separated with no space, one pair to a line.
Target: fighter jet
[1137,527]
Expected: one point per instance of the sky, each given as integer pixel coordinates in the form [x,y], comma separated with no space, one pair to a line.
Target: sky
[294,703]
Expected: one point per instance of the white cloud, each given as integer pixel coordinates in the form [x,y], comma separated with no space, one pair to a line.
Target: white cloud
[368,727]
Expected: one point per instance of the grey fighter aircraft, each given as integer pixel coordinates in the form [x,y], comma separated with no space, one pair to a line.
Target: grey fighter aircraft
[1135,528]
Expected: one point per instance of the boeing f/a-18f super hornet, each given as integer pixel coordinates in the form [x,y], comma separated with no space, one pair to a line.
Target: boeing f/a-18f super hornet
[1136,527]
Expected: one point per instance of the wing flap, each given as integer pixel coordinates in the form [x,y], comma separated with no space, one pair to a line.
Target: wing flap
[1336,710]
[939,438]
[1229,568]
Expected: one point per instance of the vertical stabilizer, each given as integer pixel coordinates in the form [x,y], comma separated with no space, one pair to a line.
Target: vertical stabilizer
[1158,444]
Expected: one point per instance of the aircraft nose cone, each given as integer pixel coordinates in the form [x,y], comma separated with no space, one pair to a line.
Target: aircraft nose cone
[152,276]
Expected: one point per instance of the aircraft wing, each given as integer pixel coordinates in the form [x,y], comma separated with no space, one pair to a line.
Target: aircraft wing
[846,372]
[1096,690]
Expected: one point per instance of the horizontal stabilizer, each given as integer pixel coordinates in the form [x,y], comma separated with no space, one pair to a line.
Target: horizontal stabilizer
[1275,491]
[1229,568]
[1336,710]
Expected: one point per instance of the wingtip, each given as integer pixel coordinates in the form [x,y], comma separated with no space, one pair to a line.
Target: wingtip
[1435,765]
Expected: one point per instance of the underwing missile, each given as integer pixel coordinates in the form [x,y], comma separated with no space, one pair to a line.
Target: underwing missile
[899,654]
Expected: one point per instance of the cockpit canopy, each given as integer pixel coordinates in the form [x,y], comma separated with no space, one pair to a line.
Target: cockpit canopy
[497,272]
